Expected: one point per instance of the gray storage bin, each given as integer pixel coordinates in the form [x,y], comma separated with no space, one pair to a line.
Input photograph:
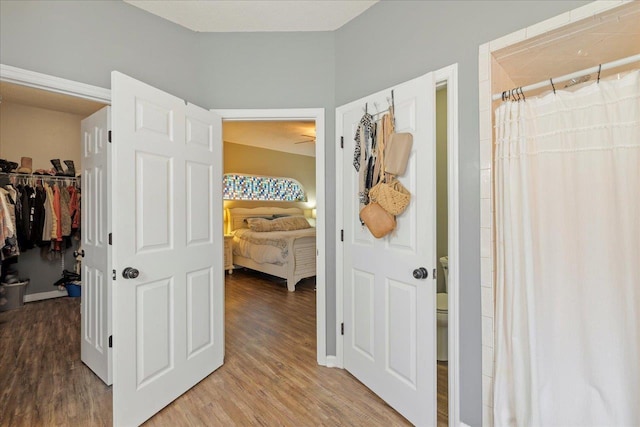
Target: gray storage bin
[14,294]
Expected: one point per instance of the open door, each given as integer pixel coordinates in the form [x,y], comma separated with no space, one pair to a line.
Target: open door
[168,295]
[390,315]
[95,326]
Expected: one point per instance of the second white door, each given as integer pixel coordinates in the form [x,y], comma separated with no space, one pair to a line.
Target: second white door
[95,325]
[168,295]
[389,315]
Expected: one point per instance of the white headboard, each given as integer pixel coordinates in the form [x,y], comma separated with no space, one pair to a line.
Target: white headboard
[238,215]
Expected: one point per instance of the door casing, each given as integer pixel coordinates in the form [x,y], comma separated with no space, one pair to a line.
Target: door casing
[293,114]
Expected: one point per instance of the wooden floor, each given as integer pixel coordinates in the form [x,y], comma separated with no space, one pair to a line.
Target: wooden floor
[270,375]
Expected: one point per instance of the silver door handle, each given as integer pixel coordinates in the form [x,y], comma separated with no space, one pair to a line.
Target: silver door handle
[420,273]
[130,273]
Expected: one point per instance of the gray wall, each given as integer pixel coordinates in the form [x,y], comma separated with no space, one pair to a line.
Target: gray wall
[395,41]
[391,42]
[42,272]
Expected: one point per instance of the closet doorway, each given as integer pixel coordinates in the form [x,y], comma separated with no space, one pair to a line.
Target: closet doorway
[38,127]
[42,340]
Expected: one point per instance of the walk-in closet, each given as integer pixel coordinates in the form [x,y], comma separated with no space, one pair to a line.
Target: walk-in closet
[40,163]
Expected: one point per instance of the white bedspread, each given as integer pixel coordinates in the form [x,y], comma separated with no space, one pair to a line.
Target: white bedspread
[271,247]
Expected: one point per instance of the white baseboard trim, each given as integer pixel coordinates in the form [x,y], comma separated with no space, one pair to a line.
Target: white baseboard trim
[44,295]
[464,425]
[332,362]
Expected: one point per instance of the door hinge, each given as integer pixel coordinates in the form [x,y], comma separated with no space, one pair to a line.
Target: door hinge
[110,341]
[342,142]
[109,136]
[111,238]
[434,274]
[342,235]
[341,328]
[113,277]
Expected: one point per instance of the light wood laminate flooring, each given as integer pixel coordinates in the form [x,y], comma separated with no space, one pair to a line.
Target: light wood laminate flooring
[270,375]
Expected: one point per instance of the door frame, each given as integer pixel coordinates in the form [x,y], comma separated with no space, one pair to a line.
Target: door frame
[293,114]
[445,76]
[37,80]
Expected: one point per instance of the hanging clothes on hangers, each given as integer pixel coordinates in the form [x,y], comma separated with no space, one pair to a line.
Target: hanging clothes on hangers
[8,236]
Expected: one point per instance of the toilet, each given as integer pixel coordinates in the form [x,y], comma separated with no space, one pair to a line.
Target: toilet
[442,313]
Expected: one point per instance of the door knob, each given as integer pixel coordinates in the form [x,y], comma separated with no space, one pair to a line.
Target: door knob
[420,273]
[76,254]
[130,273]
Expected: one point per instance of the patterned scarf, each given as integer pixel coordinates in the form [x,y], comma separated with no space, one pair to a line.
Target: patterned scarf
[366,124]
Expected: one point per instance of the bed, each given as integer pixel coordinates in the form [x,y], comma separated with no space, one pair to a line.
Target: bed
[288,254]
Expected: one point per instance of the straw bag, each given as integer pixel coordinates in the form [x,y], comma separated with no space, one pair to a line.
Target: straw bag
[378,221]
[392,196]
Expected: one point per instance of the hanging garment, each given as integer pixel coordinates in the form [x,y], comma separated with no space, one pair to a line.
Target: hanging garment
[383,135]
[18,208]
[78,215]
[74,207]
[65,217]
[25,219]
[38,215]
[362,134]
[57,209]
[47,228]
[8,239]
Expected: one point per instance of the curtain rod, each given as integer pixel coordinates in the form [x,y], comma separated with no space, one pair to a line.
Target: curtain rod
[607,66]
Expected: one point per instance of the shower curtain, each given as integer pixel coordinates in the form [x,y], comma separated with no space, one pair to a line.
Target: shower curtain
[567,297]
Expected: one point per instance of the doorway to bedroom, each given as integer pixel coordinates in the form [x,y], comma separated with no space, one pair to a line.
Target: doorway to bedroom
[273,196]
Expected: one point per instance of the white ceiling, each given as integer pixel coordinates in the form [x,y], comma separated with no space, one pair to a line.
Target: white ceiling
[273,135]
[254,16]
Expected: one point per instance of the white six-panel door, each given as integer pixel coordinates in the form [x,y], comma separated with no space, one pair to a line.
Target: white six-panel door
[96,224]
[389,316]
[168,329]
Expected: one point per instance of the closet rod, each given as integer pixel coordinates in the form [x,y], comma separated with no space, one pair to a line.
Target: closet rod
[607,66]
[44,177]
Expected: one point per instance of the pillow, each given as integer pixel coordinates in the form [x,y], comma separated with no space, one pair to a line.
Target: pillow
[288,223]
[257,217]
[258,224]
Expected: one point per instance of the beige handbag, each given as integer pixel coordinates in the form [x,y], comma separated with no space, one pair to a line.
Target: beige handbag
[392,196]
[378,221]
[397,153]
